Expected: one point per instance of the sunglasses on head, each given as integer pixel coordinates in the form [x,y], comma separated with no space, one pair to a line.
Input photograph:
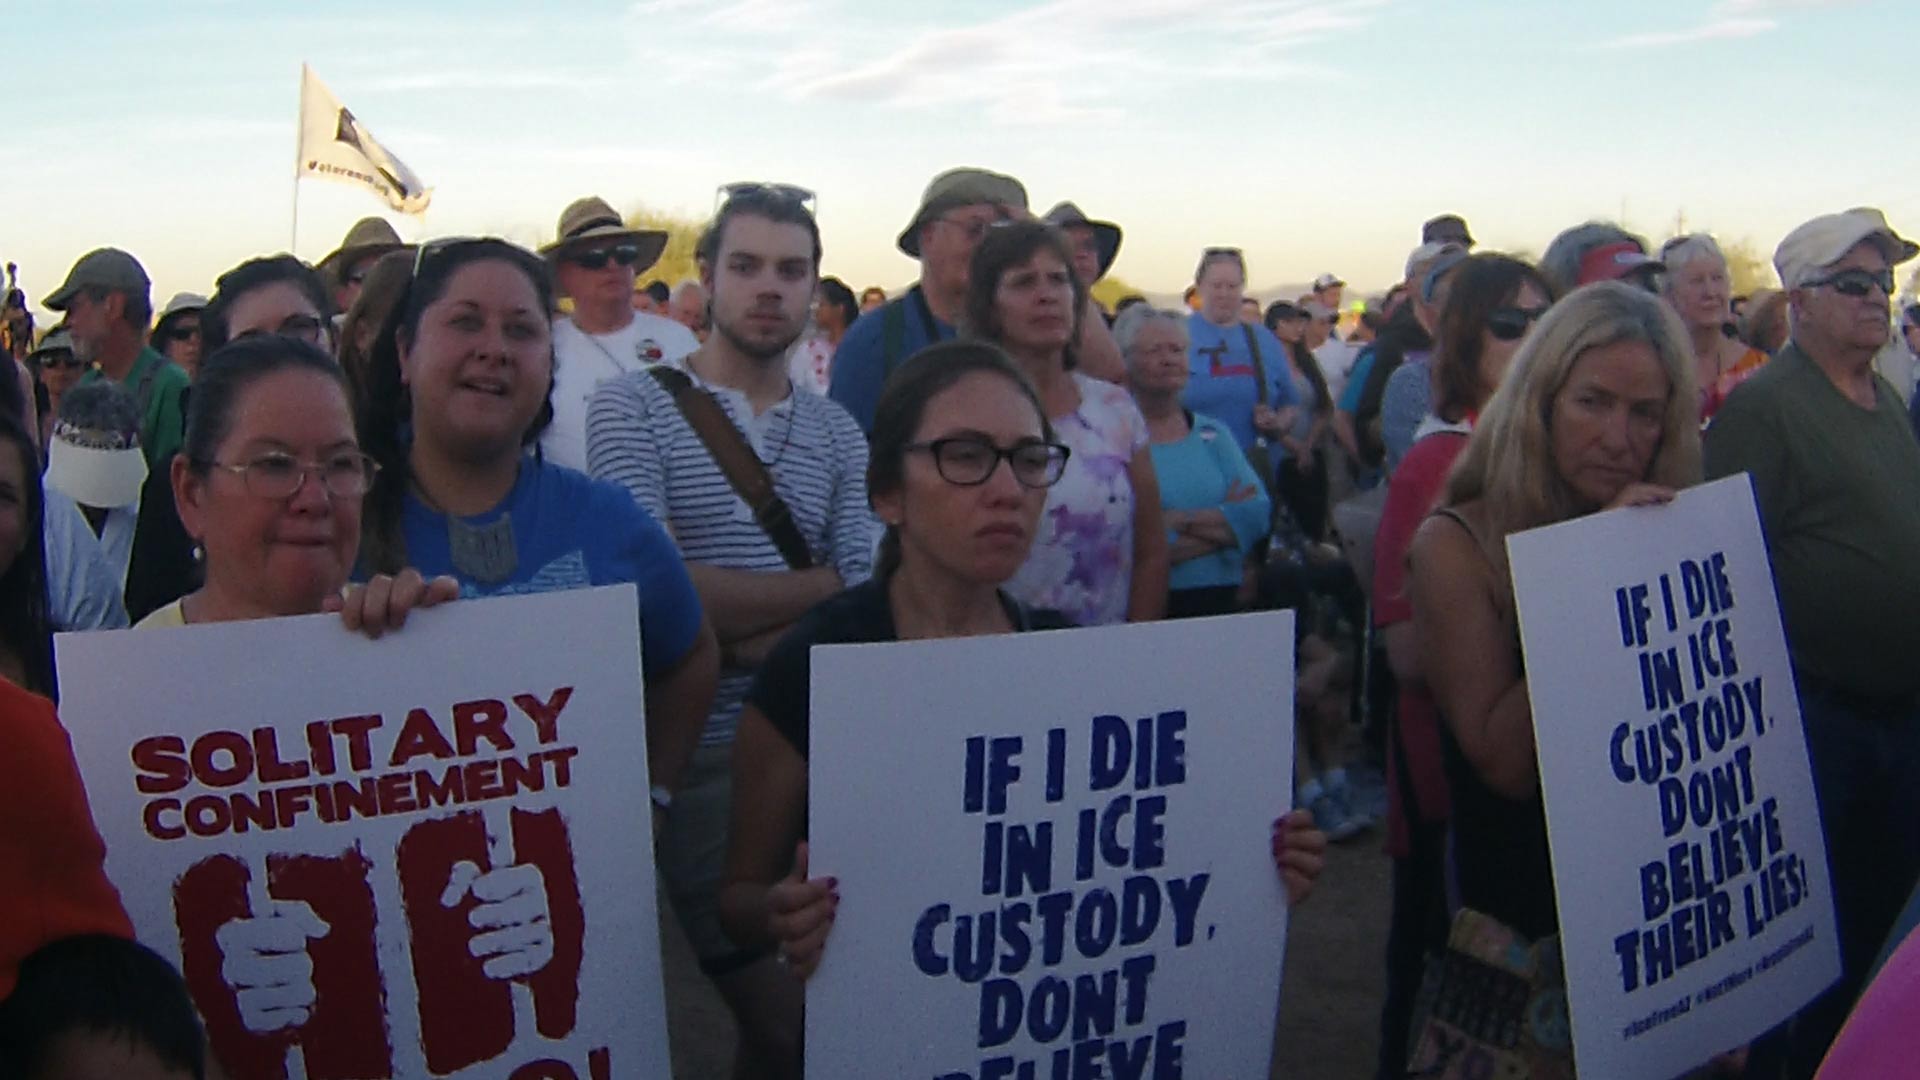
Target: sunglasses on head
[596,258]
[1857,282]
[1511,323]
[763,189]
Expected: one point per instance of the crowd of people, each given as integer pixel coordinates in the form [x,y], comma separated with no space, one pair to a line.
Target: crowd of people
[779,462]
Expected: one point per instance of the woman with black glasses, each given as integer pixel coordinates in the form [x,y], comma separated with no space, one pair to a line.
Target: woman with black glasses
[963,456]
[1492,303]
[273,294]
[455,396]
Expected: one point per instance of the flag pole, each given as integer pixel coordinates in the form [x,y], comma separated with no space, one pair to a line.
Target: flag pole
[299,134]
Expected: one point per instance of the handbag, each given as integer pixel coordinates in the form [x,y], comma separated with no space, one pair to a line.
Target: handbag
[1492,1004]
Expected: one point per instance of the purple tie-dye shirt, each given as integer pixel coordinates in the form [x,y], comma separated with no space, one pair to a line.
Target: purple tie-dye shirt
[1082,561]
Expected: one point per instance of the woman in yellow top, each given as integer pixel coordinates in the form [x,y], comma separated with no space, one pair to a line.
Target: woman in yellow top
[1699,288]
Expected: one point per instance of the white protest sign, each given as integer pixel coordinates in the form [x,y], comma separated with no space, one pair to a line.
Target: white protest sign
[1054,852]
[1695,909]
[451,823]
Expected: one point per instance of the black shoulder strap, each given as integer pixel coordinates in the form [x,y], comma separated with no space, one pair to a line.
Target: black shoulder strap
[1259,362]
[893,330]
[742,467]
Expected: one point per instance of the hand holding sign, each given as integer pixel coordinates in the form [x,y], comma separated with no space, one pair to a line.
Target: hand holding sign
[382,603]
[1642,495]
[1299,853]
[800,914]
[516,936]
[267,965]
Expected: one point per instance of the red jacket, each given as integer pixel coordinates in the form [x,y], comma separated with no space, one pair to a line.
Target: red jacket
[52,881]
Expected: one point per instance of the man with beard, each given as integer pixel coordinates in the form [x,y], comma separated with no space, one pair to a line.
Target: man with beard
[107,303]
[701,448]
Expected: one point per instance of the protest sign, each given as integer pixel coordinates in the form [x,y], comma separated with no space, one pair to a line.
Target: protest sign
[1695,906]
[451,824]
[1054,852]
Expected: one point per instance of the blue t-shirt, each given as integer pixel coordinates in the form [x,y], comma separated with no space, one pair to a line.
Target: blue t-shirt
[1356,386]
[571,532]
[861,364]
[1195,474]
[1222,383]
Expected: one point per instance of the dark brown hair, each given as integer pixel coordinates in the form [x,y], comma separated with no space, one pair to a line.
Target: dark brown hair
[1480,286]
[903,405]
[384,408]
[1007,245]
[380,293]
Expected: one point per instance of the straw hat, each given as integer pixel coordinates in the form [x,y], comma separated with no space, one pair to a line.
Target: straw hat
[369,236]
[591,218]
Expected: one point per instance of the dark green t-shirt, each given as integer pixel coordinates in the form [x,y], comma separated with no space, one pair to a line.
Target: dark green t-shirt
[158,386]
[1839,494]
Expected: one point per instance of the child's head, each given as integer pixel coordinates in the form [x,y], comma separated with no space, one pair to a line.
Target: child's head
[97,1007]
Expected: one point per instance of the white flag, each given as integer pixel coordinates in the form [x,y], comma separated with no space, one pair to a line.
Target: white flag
[335,145]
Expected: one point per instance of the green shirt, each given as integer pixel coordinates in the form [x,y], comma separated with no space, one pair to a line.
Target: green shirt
[1839,494]
[160,386]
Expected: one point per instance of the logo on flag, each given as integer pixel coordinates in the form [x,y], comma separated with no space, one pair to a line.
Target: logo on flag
[335,145]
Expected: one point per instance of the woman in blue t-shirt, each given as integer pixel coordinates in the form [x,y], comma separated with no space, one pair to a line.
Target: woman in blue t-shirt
[454,397]
[958,528]
[1239,373]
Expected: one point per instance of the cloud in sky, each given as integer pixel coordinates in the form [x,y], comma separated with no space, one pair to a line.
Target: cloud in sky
[1727,19]
[1059,62]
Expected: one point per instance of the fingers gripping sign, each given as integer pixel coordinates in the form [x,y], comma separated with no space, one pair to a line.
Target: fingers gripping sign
[514,935]
[267,965]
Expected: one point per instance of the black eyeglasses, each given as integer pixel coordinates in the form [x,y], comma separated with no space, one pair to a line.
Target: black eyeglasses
[1511,323]
[1856,282]
[305,327]
[968,460]
[596,258]
[280,476]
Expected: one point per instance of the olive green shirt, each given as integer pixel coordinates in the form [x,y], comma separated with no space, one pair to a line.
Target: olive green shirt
[1839,494]
[158,386]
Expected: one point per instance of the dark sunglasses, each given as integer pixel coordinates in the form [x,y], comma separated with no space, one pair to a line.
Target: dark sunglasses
[1511,323]
[597,258]
[183,333]
[60,360]
[1856,283]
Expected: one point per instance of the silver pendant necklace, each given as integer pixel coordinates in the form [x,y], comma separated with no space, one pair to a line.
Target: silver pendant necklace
[484,553]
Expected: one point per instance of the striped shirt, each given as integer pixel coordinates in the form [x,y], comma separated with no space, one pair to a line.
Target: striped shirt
[637,438]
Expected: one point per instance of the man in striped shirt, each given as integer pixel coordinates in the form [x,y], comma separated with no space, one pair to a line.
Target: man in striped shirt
[759,261]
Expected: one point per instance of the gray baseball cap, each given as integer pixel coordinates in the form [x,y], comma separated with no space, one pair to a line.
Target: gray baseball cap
[102,268]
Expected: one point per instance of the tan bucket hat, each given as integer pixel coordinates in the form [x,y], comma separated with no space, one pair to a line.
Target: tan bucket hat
[956,188]
[369,236]
[592,218]
[1106,235]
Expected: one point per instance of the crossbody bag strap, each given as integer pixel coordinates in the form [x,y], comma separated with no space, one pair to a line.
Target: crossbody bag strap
[1259,362]
[742,467]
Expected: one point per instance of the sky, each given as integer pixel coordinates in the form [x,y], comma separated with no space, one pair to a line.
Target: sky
[1315,134]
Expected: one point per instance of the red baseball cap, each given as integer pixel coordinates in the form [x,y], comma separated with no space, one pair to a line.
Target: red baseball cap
[1612,262]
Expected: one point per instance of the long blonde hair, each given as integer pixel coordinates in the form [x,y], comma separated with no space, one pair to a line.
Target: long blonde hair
[1508,466]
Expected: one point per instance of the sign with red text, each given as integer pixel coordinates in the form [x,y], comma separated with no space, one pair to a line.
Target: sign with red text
[427,855]
[1695,906]
[1054,852]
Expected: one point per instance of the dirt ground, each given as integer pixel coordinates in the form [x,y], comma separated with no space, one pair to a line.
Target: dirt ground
[1327,1029]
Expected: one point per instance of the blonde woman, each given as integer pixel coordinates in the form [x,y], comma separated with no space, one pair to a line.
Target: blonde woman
[1598,411]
